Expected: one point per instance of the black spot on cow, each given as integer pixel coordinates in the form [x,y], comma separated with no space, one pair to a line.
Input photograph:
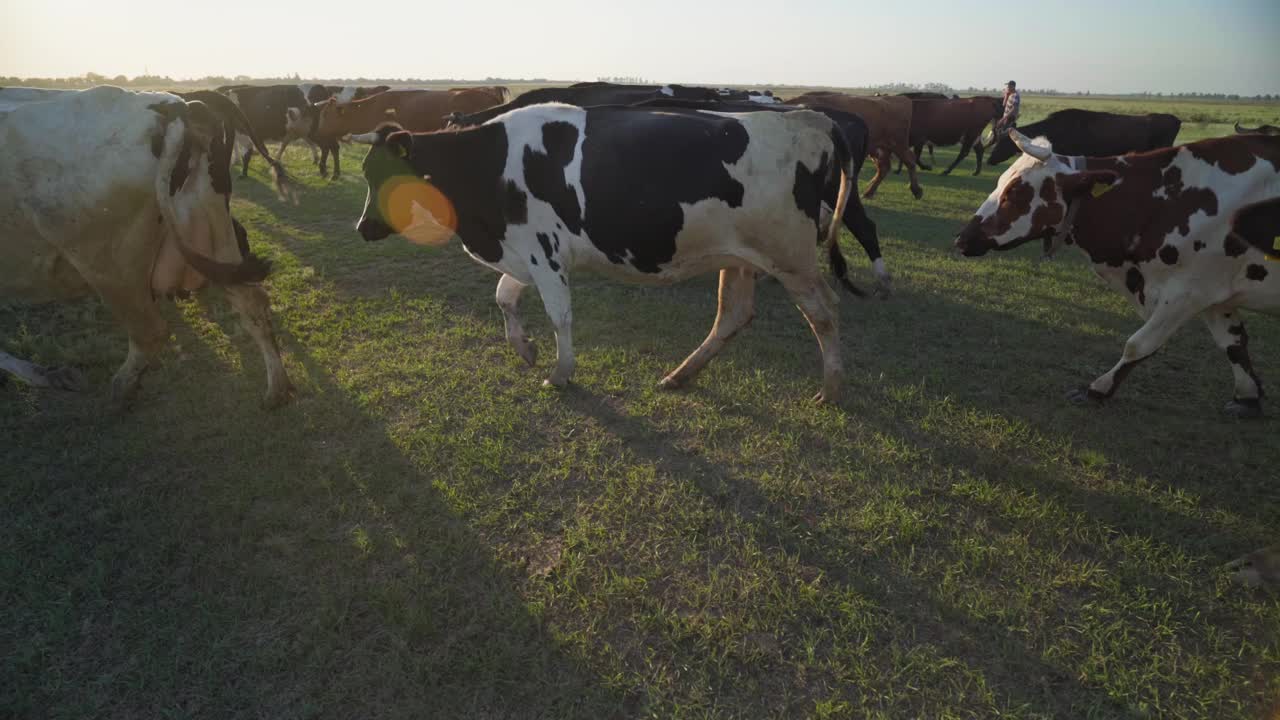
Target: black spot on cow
[1136,284]
[634,195]
[544,173]
[181,169]
[563,281]
[1169,255]
[515,204]
[533,259]
[1234,246]
[1198,246]
[555,237]
[1256,272]
[547,250]
[809,188]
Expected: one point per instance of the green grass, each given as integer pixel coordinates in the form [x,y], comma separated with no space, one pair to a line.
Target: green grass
[426,532]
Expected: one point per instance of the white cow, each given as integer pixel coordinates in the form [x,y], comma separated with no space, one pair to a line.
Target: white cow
[125,195]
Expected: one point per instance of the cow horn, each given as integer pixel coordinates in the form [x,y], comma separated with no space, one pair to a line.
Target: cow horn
[1024,144]
[366,138]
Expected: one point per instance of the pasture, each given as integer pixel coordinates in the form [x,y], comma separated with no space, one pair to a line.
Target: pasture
[426,532]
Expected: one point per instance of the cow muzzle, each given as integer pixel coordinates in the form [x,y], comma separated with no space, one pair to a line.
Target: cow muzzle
[372,230]
[971,241]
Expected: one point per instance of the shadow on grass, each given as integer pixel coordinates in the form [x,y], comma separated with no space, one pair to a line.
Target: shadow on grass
[221,561]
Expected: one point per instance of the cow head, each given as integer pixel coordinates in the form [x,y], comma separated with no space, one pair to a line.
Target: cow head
[1031,199]
[400,200]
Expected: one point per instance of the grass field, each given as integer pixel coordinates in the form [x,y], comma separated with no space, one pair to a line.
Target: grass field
[427,533]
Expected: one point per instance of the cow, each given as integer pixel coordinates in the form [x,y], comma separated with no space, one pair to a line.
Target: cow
[642,195]
[591,94]
[415,110]
[127,195]
[855,135]
[273,110]
[1260,130]
[921,95]
[316,92]
[888,119]
[951,121]
[1157,226]
[301,123]
[1094,134]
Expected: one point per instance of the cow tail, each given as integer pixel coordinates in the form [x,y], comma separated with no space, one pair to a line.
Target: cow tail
[848,183]
[249,270]
[230,113]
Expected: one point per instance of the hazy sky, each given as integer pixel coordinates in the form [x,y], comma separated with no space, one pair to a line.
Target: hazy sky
[1097,45]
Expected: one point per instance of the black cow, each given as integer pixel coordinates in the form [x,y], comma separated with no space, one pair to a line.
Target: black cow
[275,112]
[591,94]
[1095,134]
[648,195]
[855,133]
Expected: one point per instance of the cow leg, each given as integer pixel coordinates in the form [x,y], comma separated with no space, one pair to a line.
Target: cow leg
[931,158]
[244,160]
[337,162]
[919,151]
[1159,327]
[736,309]
[965,142]
[508,297]
[864,230]
[135,309]
[284,145]
[909,158]
[881,158]
[61,378]
[978,149]
[816,300]
[253,307]
[1230,335]
[554,289]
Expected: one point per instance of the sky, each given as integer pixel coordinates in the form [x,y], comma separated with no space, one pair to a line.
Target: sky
[1103,46]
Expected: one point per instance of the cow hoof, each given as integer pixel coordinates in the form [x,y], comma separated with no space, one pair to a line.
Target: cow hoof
[527,351]
[868,195]
[66,378]
[552,382]
[1083,396]
[1244,409]
[670,382]
[277,398]
[917,192]
[946,173]
[826,398]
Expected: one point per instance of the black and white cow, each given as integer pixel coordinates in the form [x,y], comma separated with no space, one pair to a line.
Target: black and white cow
[642,195]
[856,136]
[1179,230]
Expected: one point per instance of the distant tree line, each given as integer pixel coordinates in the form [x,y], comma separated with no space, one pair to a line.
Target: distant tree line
[91,79]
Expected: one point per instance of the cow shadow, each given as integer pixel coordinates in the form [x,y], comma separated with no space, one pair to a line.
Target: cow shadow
[1015,672]
[335,581]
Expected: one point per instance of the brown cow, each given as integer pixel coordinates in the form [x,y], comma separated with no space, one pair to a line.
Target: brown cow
[415,110]
[947,122]
[888,121]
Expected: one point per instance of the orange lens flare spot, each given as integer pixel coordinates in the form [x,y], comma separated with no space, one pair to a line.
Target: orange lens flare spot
[417,210]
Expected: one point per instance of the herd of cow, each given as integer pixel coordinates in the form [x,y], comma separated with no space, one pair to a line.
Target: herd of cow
[643,183]
[127,195]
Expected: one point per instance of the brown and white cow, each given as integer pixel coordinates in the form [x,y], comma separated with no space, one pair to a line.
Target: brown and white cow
[888,119]
[126,195]
[414,110]
[1157,226]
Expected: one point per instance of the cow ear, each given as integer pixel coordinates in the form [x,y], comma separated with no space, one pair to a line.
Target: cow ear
[400,143]
[1094,182]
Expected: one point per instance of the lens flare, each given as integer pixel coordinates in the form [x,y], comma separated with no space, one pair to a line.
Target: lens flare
[417,210]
